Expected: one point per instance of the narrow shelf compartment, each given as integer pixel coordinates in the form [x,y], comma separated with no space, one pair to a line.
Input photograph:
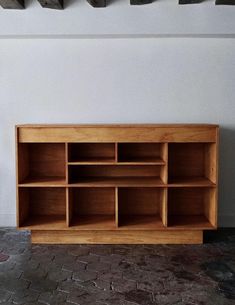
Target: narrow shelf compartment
[92,208]
[91,153]
[41,164]
[192,164]
[153,153]
[140,208]
[42,208]
[43,182]
[115,175]
[192,208]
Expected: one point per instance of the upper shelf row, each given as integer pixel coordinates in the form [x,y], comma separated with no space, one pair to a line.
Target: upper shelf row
[115,163]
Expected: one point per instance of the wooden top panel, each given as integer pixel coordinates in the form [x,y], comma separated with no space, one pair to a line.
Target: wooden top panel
[117,133]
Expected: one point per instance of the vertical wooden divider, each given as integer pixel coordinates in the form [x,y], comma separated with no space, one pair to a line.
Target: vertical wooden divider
[116,152]
[68,203]
[116,206]
[164,176]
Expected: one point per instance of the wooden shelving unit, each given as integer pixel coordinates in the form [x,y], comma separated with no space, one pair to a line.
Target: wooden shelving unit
[117,183]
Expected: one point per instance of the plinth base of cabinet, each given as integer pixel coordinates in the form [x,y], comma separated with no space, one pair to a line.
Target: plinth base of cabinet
[117,237]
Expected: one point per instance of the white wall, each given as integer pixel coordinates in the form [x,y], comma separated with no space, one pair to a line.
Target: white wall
[162,17]
[117,81]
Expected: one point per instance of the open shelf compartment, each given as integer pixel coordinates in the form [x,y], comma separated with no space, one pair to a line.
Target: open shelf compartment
[41,164]
[192,208]
[141,208]
[192,164]
[42,208]
[153,153]
[91,152]
[92,208]
[115,175]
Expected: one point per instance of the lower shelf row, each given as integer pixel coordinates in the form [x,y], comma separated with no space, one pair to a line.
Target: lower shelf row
[116,208]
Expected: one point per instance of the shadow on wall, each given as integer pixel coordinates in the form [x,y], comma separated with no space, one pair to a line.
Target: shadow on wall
[227,177]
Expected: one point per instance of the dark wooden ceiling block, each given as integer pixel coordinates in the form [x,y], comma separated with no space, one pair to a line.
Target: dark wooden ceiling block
[12,4]
[54,4]
[97,3]
[225,2]
[140,2]
[190,1]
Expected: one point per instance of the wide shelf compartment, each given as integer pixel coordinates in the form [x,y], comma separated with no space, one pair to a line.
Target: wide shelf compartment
[192,164]
[115,175]
[153,153]
[42,208]
[141,208]
[91,152]
[92,208]
[41,164]
[192,208]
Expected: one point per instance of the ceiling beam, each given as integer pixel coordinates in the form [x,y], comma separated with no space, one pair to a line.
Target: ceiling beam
[190,1]
[140,2]
[225,2]
[97,3]
[12,4]
[54,4]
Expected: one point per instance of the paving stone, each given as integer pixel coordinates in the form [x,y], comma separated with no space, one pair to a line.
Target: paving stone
[77,266]
[79,251]
[117,274]
[80,298]
[69,286]
[110,275]
[64,259]
[84,276]
[4,296]
[98,266]
[218,271]
[34,274]
[102,284]
[53,298]
[121,285]
[43,285]
[15,285]
[24,296]
[59,276]
[3,257]
[88,259]
[139,297]
[102,250]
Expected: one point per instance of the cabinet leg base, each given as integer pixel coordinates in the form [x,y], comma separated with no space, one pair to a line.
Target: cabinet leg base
[117,237]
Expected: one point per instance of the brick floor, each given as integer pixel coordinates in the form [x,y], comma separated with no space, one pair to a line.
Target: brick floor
[117,274]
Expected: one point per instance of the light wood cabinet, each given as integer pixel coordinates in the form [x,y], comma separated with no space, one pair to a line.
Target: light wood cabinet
[117,183]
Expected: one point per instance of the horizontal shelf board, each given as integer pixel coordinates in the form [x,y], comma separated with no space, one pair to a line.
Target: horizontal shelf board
[189,222]
[142,160]
[132,162]
[93,222]
[140,222]
[92,160]
[45,222]
[190,182]
[43,181]
[119,181]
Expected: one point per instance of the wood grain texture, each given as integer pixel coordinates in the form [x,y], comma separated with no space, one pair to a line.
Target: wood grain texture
[124,180]
[93,201]
[35,204]
[41,161]
[120,237]
[118,133]
[91,152]
[12,4]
